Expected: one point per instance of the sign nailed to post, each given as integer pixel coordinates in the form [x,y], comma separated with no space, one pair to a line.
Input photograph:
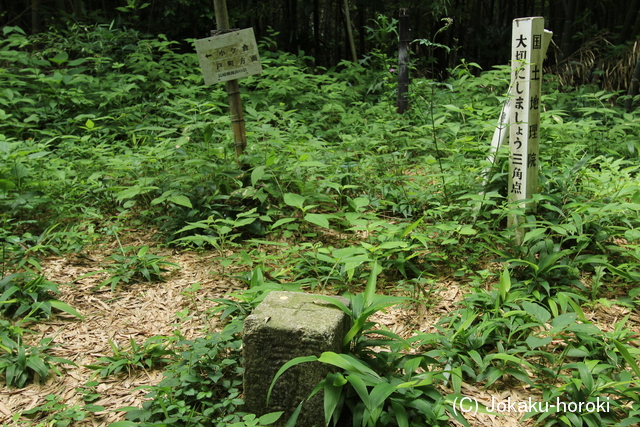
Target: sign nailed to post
[228,56]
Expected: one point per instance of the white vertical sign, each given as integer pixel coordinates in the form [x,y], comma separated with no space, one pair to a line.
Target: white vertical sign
[527,54]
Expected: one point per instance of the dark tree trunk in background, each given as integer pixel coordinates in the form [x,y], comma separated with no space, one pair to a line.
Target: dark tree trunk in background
[347,24]
[316,30]
[633,87]
[629,21]
[567,27]
[36,23]
[361,6]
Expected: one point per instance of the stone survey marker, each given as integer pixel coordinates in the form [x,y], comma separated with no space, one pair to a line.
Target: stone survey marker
[228,56]
[287,325]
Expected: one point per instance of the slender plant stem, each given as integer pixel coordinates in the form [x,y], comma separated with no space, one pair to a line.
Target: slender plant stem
[435,141]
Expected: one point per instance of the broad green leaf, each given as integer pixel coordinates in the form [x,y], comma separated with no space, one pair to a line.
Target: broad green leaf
[4,298]
[509,358]
[134,191]
[359,386]
[181,200]
[548,262]
[585,376]
[347,252]
[143,251]
[60,58]
[270,418]
[336,302]
[520,374]
[359,202]
[317,219]
[421,380]
[348,363]
[295,200]
[532,234]
[38,366]
[6,185]
[312,163]
[400,413]
[380,393]
[257,174]
[562,321]
[38,155]
[467,230]
[456,379]
[505,283]
[537,311]
[332,392]
[534,342]
[392,245]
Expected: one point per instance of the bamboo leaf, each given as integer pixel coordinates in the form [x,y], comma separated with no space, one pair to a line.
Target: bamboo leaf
[270,418]
[289,364]
[628,357]
[66,308]
[348,363]
[370,290]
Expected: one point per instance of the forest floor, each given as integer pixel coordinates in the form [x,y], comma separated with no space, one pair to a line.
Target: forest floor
[143,310]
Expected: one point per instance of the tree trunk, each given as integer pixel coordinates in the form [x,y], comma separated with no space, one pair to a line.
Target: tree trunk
[633,87]
[636,27]
[361,7]
[78,10]
[36,26]
[316,30]
[347,21]
[628,20]
[567,29]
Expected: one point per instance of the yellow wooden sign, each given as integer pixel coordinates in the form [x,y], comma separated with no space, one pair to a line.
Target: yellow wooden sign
[228,56]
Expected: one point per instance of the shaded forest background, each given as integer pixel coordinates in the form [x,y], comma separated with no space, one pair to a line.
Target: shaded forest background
[594,40]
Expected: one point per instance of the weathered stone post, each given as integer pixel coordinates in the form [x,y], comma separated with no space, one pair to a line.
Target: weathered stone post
[287,325]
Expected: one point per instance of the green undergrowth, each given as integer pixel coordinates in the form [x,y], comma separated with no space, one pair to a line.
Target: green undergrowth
[102,129]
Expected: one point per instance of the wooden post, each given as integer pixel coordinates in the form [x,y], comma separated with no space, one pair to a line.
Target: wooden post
[403,60]
[500,134]
[524,114]
[233,91]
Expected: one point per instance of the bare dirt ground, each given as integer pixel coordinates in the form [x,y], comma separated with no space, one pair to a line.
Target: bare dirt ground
[144,310]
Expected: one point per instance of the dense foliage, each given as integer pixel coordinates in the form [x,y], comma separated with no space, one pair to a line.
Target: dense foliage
[102,127]
[594,40]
